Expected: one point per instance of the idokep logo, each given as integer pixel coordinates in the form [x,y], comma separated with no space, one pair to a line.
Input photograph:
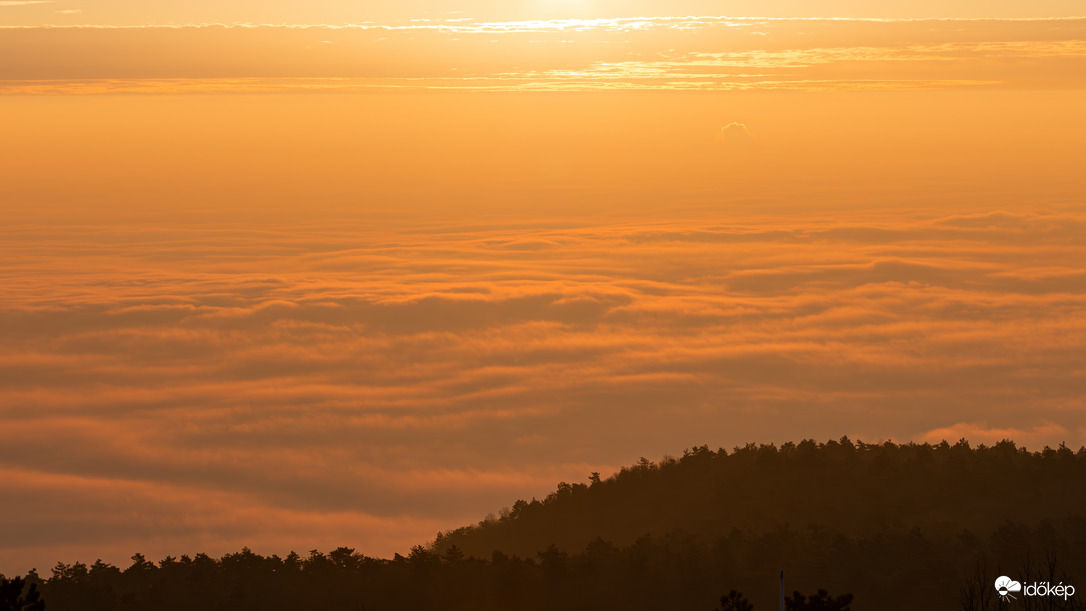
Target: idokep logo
[1007,587]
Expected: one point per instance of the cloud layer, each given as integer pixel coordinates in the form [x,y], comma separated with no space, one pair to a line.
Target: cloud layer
[290,386]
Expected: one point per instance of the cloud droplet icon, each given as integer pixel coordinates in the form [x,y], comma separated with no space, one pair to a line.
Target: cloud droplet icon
[1005,585]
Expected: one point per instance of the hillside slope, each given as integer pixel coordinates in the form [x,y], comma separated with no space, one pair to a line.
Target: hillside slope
[853,489]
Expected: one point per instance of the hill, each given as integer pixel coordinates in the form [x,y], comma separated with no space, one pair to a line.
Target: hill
[896,526]
[852,489]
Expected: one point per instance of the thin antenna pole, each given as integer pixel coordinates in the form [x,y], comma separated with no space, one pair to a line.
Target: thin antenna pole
[782,589]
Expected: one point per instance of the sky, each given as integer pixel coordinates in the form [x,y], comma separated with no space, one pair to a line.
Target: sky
[141,12]
[301,275]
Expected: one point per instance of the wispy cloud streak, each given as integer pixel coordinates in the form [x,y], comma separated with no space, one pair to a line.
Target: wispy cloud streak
[699,53]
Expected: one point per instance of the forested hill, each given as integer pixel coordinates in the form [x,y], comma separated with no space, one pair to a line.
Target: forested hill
[899,527]
[838,487]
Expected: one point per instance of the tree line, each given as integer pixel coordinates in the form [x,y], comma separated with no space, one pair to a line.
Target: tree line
[880,526]
[856,489]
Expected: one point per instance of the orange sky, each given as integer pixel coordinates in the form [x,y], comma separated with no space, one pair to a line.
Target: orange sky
[349,284]
[141,12]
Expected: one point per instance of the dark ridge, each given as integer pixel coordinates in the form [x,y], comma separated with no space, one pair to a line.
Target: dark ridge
[854,526]
[854,489]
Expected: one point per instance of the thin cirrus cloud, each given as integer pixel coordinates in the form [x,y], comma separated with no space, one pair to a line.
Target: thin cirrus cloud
[303,386]
[705,53]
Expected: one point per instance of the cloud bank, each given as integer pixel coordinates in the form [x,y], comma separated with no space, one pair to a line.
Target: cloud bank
[295,386]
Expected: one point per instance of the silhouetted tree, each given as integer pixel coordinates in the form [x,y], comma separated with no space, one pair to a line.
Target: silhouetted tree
[820,601]
[453,555]
[735,601]
[554,561]
[979,593]
[18,595]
